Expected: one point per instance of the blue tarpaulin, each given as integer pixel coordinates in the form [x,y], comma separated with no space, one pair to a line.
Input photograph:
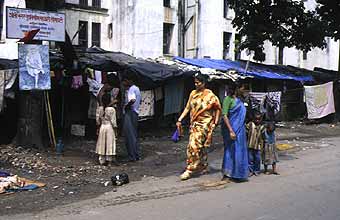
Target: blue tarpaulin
[256,70]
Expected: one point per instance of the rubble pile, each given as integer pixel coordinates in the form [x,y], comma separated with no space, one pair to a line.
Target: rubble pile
[22,158]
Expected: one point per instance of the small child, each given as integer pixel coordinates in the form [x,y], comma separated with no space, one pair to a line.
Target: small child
[269,153]
[255,131]
[106,143]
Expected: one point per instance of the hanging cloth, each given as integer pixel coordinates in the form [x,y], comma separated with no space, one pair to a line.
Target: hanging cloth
[319,100]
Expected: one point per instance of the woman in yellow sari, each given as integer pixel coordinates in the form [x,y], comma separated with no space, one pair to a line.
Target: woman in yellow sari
[205,111]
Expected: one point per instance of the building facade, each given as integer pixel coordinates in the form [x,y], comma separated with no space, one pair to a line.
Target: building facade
[145,28]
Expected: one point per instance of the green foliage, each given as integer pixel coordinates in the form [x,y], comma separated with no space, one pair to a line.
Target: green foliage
[285,23]
[329,11]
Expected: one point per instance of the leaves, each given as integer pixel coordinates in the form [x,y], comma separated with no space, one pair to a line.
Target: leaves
[285,23]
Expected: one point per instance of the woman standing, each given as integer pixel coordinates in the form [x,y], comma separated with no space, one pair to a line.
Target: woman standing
[106,143]
[235,160]
[205,110]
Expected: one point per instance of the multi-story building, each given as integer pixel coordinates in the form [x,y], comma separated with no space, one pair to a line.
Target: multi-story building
[212,35]
[153,28]
[145,28]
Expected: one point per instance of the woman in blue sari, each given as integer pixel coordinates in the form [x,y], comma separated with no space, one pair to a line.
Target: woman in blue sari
[235,160]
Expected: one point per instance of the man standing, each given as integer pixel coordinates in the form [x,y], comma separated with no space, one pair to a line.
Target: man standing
[131,111]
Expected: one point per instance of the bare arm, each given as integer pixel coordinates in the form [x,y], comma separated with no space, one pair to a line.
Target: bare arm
[184,113]
[231,131]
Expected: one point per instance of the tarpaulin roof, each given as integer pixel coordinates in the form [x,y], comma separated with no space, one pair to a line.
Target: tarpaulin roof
[8,64]
[147,73]
[257,70]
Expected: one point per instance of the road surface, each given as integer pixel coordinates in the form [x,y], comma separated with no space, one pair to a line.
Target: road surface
[307,189]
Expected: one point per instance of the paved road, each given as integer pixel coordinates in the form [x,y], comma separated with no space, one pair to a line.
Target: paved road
[307,189]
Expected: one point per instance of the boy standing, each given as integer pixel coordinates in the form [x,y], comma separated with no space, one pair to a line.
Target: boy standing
[255,142]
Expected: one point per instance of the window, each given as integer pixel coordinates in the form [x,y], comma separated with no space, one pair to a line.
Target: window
[225,8]
[109,31]
[167,3]
[83,34]
[304,55]
[226,45]
[167,35]
[96,34]
[83,2]
[96,3]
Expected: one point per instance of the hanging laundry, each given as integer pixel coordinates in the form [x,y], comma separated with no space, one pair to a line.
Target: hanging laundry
[94,86]
[98,76]
[173,94]
[77,82]
[319,100]
[272,104]
[2,89]
[267,103]
[257,100]
[147,106]
[158,94]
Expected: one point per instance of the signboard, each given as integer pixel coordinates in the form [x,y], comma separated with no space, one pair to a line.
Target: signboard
[34,67]
[20,21]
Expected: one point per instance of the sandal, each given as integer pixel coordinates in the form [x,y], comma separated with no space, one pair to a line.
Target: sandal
[186,175]
[275,173]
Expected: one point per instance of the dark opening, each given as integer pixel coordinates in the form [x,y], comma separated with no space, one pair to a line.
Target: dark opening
[96,3]
[83,2]
[96,34]
[83,34]
[304,55]
[225,8]
[167,3]
[226,44]
[167,35]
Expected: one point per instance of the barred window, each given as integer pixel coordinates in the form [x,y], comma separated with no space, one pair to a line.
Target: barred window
[96,3]
[96,34]
[83,2]
[83,34]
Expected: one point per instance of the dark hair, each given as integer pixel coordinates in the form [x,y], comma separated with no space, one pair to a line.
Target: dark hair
[106,99]
[202,78]
[270,125]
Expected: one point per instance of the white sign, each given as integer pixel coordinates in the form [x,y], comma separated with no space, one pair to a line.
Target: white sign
[20,21]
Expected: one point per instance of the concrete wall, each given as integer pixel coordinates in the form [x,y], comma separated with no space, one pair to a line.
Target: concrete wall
[9,47]
[138,27]
[74,15]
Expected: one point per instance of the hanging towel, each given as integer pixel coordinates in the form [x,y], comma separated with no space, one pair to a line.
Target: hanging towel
[319,100]
[94,86]
[147,106]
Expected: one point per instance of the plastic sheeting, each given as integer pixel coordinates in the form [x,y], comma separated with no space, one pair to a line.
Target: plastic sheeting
[256,70]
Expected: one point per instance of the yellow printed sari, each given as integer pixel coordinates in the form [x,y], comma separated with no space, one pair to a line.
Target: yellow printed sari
[203,106]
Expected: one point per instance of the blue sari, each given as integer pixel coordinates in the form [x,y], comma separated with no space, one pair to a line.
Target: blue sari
[235,160]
